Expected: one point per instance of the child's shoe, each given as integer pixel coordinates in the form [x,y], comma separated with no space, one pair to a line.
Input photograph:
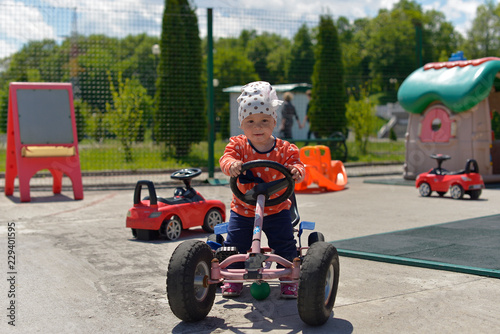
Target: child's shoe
[289,290]
[231,290]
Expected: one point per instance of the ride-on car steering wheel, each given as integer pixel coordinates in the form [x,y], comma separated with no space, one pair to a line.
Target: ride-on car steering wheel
[186,173]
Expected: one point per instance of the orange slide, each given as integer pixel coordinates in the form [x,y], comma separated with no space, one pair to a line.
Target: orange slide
[327,174]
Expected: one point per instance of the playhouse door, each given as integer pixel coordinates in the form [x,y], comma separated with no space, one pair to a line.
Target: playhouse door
[436,126]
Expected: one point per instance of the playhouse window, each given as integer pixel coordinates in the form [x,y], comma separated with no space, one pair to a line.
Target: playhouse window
[436,126]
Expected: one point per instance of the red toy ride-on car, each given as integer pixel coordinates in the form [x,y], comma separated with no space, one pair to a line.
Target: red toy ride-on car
[466,181]
[155,216]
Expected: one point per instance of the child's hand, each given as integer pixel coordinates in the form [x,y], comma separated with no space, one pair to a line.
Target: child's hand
[295,173]
[235,168]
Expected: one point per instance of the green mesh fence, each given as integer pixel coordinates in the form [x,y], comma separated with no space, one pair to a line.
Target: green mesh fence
[139,77]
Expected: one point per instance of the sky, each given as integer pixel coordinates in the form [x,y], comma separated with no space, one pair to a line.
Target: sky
[24,20]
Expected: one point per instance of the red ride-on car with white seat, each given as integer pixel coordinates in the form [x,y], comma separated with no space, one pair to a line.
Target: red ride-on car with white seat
[466,181]
[155,216]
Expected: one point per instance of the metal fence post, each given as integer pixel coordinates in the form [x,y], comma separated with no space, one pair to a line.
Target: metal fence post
[210,95]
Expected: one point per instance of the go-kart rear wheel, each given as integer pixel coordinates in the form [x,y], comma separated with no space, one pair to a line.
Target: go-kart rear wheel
[424,189]
[189,295]
[318,284]
[172,228]
[457,191]
[212,218]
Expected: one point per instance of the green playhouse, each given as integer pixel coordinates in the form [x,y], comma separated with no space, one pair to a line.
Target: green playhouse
[451,105]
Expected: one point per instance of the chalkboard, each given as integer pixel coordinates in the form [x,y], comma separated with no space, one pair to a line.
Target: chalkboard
[44,116]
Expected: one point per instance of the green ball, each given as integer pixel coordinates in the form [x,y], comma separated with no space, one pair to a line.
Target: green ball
[260,290]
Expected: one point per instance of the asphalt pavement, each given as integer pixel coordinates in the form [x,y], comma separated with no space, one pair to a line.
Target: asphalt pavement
[73,267]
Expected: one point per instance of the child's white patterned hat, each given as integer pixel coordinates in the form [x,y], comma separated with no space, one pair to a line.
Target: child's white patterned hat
[258,97]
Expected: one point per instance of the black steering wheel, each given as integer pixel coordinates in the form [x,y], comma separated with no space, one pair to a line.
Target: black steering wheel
[268,189]
[186,173]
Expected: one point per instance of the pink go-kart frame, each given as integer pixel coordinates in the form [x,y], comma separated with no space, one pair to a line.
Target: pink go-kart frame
[196,267]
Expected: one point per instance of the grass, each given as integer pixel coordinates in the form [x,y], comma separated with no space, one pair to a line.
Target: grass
[378,151]
[148,156]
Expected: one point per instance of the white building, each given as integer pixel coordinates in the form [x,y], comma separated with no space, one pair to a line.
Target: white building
[300,102]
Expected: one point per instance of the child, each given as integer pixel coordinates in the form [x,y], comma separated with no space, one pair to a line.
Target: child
[258,118]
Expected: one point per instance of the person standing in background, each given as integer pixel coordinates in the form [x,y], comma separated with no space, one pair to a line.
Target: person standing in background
[288,113]
[306,119]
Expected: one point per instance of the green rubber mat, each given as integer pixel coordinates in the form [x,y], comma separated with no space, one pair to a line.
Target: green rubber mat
[468,246]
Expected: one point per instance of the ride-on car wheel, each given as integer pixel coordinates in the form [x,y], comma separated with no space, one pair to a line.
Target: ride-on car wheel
[318,284]
[144,235]
[189,295]
[425,190]
[474,194]
[456,191]
[172,228]
[212,218]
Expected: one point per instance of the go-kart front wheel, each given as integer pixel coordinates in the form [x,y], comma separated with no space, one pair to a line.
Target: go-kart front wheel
[318,284]
[189,295]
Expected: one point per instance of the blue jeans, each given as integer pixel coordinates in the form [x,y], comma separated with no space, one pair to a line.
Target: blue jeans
[278,229]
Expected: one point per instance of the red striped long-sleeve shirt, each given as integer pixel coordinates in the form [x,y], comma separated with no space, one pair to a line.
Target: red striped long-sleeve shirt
[283,152]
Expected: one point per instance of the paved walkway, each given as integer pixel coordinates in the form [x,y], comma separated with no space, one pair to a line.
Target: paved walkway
[78,269]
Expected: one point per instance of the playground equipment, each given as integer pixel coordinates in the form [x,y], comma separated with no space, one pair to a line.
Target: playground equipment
[451,105]
[329,175]
[41,134]
[466,181]
[155,216]
[196,267]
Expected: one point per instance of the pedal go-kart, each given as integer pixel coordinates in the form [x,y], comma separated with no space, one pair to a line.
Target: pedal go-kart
[196,267]
[155,216]
[466,181]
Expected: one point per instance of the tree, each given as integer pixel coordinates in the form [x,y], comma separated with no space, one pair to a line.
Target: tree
[392,44]
[483,39]
[301,57]
[327,106]
[36,61]
[139,61]
[439,37]
[126,115]
[361,118]
[268,52]
[231,68]
[97,63]
[355,57]
[180,116]
[277,62]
